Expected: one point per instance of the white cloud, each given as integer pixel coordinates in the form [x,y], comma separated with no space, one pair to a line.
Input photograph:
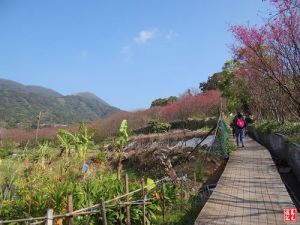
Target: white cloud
[145,36]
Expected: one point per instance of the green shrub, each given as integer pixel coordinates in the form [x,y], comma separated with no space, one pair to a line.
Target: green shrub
[7,148]
[289,129]
[268,126]
[158,127]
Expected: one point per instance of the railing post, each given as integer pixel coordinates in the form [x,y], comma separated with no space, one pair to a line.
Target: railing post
[103,209]
[163,201]
[70,210]
[120,212]
[144,208]
[49,220]
[128,222]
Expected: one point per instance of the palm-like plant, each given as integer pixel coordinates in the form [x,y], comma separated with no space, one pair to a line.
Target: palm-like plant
[83,138]
[78,141]
[67,140]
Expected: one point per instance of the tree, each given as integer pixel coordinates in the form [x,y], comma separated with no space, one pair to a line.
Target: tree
[163,101]
[234,89]
[272,51]
[188,106]
[212,82]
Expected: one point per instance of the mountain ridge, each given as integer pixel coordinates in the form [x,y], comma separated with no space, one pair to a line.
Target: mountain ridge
[20,104]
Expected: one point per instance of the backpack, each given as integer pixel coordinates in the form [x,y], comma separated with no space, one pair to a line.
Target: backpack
[240,123]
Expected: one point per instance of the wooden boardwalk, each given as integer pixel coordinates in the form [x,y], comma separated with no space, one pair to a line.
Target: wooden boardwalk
[250,191]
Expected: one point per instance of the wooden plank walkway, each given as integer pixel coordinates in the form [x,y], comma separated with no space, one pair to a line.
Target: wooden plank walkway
[250,191]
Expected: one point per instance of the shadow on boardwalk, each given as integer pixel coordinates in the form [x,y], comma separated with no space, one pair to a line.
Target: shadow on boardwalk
[250,191]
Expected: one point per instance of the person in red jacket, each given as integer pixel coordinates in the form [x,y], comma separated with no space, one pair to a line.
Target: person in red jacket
[239,125]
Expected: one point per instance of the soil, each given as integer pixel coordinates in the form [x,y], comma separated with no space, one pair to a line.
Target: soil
[151,154]
[160,155]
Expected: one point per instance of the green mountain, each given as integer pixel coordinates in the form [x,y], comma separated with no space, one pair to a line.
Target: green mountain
[21,104]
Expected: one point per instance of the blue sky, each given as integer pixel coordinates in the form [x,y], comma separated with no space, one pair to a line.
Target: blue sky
[126,52]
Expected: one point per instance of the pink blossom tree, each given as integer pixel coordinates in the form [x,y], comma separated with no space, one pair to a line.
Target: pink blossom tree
[272,52]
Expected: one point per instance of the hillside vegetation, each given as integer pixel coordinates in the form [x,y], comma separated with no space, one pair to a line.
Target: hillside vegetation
[20,106]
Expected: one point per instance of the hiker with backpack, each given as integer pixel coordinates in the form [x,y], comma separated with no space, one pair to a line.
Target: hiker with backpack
[239,125]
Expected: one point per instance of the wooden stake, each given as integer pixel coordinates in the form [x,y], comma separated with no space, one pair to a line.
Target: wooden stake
[128,222]
[144,206]
[70,209]
[103,209]
[163,201]
[49,217]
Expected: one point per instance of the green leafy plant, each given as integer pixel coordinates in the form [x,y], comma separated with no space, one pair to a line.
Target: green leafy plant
[66,141]
[121,144]
[79,141]
[83,138]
